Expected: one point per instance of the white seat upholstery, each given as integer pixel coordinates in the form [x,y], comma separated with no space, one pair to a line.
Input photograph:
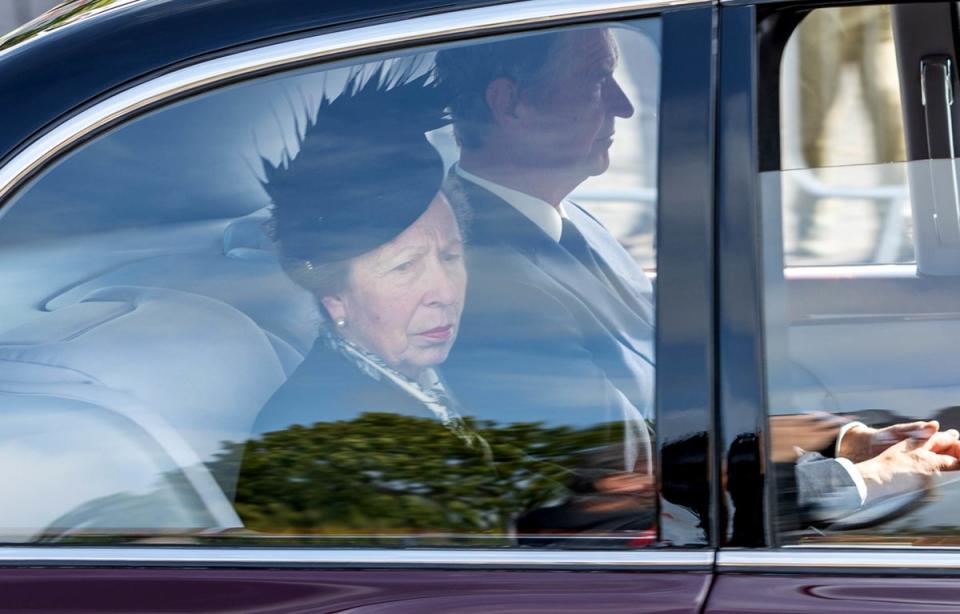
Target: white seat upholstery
[126,377]
[200,364]
[242,272]
[79,447]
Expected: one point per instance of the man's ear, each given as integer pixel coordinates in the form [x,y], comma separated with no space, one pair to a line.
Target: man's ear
[335,306]
[502,96]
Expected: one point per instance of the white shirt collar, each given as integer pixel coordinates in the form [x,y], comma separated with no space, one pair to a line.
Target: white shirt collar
[540,212]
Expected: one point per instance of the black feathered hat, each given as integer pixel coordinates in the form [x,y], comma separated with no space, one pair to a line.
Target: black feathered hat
[364,172]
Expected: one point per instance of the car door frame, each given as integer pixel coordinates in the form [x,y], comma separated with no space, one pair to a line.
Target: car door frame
[685,384]
[750,561]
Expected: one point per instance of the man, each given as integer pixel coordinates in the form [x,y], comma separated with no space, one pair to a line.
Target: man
[558,323]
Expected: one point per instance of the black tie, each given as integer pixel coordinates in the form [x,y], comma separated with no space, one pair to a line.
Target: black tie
[572,241]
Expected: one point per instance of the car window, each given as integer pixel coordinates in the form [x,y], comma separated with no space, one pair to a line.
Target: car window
[844,185]
[400,299]
[861,393]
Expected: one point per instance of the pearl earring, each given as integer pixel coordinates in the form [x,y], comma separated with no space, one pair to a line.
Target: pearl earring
[340,322]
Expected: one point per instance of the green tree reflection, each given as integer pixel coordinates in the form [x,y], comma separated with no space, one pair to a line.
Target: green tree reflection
[387,473]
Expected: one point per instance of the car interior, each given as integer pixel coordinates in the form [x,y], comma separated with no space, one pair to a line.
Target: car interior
[157,329]
[148,309]
[871,340]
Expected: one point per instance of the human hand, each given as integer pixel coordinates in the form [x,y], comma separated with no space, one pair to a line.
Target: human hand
[806,432]
[908,465]
[861,442]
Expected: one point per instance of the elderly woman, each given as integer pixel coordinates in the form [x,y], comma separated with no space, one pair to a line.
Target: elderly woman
[360,222]
[364,436]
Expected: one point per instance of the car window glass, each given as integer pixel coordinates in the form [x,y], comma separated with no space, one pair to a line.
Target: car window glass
[844,186]
[308,308]
[861,394]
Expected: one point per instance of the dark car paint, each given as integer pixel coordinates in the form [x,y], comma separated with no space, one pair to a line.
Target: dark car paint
[88,58]
[368,592]
[685,286]
[742,594]
[710,330]
[129,43]
[740,327]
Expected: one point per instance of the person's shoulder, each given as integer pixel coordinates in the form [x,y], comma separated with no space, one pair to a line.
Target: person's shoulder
[490,219]
[588,224]
[580,214]
[328,387]
[323,380]
[508,277]
[321,366]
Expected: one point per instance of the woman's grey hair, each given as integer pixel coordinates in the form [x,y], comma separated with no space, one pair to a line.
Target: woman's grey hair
[326,279]
[332,278]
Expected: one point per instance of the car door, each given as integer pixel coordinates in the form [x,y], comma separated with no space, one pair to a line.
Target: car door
[837,304]
[148,319]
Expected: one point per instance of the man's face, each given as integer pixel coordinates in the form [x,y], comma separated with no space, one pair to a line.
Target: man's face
[566,121]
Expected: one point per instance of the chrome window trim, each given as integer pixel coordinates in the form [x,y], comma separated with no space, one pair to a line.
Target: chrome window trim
[213,556]
[50,27]
[867,559]
[281,55]
[276,57]
[851,271]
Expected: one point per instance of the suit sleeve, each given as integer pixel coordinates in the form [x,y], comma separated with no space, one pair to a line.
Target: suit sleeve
[815,492]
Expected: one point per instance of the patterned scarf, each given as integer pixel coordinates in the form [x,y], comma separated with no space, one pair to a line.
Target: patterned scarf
[428,389]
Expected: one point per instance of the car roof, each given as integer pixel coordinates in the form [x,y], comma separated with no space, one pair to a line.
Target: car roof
[84,48]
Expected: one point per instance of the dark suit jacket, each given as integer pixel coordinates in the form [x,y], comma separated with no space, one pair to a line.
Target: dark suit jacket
[344,471]
[541,338]
[326,387]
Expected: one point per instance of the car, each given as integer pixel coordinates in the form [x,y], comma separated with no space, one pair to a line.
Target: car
[777,207]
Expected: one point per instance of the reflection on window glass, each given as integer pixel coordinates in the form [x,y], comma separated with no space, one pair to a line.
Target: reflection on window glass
[862,391]
[841,128]
[396,300]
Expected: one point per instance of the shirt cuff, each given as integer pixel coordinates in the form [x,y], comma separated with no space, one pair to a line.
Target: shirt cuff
[854,474]
[843,431]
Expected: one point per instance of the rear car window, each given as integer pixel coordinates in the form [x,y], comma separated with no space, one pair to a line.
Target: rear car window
[860,287]
[277,313]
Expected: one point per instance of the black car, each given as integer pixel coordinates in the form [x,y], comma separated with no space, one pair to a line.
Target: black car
[548,305]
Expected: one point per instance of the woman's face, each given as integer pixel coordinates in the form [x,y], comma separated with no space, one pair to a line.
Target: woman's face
[404,299]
